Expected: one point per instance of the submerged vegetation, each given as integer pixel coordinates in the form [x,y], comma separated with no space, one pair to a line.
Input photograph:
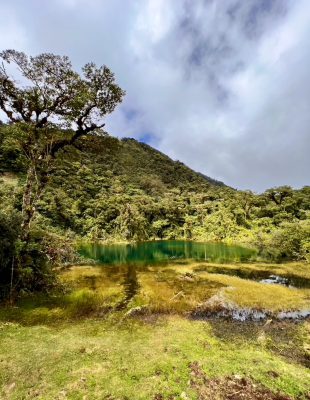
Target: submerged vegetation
[181,287]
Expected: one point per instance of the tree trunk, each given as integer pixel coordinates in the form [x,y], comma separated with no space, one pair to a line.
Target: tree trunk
[29,199]
[37,178]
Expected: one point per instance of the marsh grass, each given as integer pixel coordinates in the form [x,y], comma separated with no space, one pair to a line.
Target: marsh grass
[180,288]
[176,288]
[170,292]
[88,291]
[251,294]
[254,271]
[245,293]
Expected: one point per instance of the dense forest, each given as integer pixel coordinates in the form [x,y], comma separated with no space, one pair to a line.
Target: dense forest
[112,190]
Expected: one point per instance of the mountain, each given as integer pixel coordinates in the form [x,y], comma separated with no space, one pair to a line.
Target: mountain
[105,188]
[104,184]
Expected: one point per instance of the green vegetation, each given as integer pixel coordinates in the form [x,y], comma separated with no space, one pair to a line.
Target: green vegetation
[63,179]
[149,349]
[174,288]
[118,190]
[47,112]
[130,332]
[137,360]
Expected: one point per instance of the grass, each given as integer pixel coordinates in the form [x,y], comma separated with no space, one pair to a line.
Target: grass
[287,270]
[182,288]
[132,359]
[166,291]
[245,293]
[169,289]
[80,344]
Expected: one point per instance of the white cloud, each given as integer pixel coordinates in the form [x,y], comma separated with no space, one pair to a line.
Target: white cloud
[12,33]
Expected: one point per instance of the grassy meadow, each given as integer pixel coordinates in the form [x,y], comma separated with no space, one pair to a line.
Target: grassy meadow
[121,333]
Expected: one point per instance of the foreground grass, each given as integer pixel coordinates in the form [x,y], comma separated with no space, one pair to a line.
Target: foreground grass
[132,359]
[80,344]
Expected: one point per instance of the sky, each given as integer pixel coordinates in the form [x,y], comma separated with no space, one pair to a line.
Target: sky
[221,85]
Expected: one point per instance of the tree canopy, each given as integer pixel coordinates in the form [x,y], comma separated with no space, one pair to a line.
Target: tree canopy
[51,92]
[48,106]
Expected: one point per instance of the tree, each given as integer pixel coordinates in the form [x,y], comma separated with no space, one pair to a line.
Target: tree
[131,223]
[52,108]
[277,195]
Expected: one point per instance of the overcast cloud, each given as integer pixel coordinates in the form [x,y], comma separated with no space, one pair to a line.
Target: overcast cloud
[221,85]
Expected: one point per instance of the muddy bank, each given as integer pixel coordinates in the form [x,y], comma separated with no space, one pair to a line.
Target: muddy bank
[246,314]
[233,387]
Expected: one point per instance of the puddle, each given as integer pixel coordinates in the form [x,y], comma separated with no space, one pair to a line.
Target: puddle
[259,276]
[276,280]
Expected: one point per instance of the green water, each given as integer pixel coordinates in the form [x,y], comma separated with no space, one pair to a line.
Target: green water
[165,250]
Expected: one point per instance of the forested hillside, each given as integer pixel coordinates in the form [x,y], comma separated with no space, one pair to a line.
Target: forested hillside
[110,189]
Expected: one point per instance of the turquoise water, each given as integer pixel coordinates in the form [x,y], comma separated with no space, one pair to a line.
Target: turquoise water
[165,250]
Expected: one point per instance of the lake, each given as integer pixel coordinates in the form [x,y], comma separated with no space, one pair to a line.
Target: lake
[165,250]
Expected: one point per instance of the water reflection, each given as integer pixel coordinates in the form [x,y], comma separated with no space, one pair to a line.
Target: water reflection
[131,286]
[160,251]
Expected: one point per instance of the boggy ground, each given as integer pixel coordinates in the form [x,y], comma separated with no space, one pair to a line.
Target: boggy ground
[128,333]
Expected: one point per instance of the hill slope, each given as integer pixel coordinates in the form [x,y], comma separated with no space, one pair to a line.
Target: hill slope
[138,163]
[110,189]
